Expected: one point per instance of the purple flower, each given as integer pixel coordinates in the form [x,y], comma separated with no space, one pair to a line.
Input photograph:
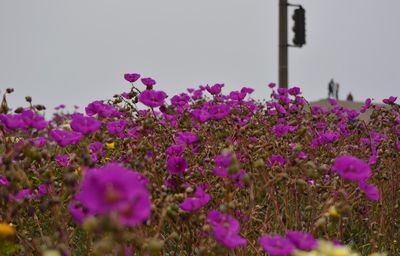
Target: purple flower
[280,130]
[366,105]
[247,90]
[218,112]
[13,122]
[176,165]
[62,160]
[302,241]
[294,91]
[152,98]
[222,162]
[4,181]
[148,81]
[225,229]
[198,200]
[117,127]
[371,191]
[33,120]
[351,168]
[201,115]
[77,211]
[180,100]
[390,100]
[271,85]
[131,77]
[38,142]
[186,137]
[277,245]
[101,109]
[24,193]
[215,89]
[43,189]
[96,150]
[174,150]
[65,138]
[113,188]
[276,160]
[84,124]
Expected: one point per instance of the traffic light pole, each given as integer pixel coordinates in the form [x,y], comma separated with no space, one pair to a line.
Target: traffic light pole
[283,44]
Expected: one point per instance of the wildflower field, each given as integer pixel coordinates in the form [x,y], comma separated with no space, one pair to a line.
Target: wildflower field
[200,173]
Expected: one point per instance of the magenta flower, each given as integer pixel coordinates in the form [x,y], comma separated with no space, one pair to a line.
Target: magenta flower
[371,191]
[38,142]
[186,137]
[180,100]
[176,165]
[174,150]
[65,138]
[366,105]
[198,200]
[218,112]
[117,127]
[302,241]
[276,160]
[113,188]
[277,245]
[148,81]
[280,130]
[294,91]
[351,168]
[13,122]
[33,120]
[390,100]
[215,89]
[78,212]
[101,109]
[84,124]
[131,77]
[201,115]
[222,162]
[225,229]
[271,85]
[62,160]
[24,193]
[4,181]
[152,98]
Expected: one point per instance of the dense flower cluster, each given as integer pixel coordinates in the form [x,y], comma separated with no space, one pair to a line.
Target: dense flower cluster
[200,173]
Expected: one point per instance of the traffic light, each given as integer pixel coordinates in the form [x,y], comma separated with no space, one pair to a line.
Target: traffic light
[299,27]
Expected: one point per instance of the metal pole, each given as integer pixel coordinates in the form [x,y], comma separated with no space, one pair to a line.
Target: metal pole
[283,44]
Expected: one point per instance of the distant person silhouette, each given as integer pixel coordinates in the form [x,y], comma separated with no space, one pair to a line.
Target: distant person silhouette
[330,88]
[337,91]
[350,97]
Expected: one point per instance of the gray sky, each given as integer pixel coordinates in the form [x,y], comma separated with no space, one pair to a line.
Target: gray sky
[76,51]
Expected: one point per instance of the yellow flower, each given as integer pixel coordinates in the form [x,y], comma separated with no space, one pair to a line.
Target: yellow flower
[332,212]
[6,230]
[110,145]
[77,171]
[326,248]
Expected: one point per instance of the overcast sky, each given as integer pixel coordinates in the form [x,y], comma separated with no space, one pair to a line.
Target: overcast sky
[76,51]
